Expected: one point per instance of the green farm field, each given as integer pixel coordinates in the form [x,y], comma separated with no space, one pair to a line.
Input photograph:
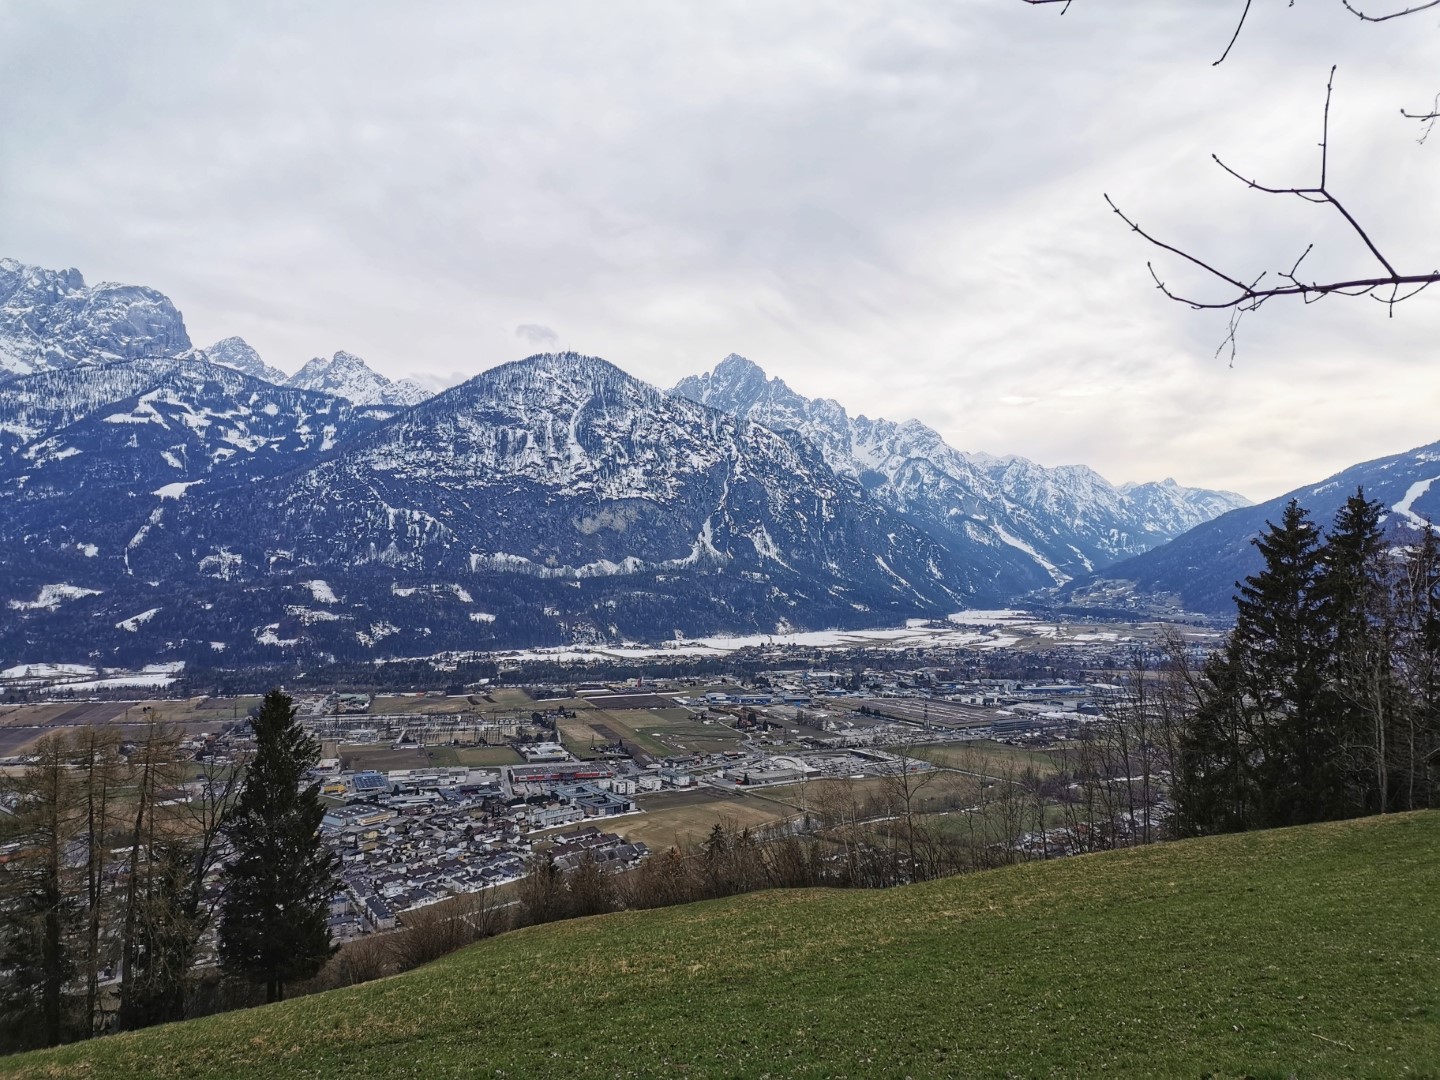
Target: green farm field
[1298,952]
[986,755]
[474,756]
[658,732]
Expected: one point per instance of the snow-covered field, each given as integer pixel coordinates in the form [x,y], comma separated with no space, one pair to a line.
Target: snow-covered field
[82,677]
[973,629]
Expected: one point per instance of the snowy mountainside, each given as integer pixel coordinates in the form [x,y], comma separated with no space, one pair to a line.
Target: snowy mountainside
[552,499]
[237,353]
[348,376]
[83,493]
[51,319]
[33,406]
[1067,520]
[1198,571]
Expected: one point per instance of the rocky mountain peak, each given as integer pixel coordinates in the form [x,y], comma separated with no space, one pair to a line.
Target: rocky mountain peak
[348,376]
[237,353]
[50,319]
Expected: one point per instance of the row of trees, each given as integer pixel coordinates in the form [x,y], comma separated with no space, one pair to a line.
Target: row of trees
[122,860]
[104,873]
[1325,701]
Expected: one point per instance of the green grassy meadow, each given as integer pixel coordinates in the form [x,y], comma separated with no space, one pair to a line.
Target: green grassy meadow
[1307,952]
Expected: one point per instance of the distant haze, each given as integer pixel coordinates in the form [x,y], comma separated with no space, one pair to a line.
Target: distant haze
[900,210]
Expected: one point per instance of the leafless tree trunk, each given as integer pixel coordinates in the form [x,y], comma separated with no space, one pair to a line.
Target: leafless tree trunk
[98,756]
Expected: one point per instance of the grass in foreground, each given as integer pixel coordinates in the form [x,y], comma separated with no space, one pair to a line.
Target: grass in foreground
[1308,951]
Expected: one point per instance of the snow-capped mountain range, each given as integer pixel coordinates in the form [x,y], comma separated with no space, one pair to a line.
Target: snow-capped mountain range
[1068,520]
[198,504]
[50,320]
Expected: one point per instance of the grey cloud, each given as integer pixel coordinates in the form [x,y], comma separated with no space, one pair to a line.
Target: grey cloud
[898,210]
[535,334]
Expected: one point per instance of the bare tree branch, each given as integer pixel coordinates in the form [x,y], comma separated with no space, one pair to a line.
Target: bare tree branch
[1426,118]
[1250,296]
[1235,36]
[1393,15]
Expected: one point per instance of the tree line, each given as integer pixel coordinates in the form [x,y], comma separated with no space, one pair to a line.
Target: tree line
[124,865]
[1324,702]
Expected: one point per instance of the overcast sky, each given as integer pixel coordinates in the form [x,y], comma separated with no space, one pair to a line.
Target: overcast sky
[899,209]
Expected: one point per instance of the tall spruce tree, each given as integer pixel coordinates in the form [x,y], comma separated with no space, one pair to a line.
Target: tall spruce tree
[273,921]
[1253,758]
[1281,644]
[1363,694]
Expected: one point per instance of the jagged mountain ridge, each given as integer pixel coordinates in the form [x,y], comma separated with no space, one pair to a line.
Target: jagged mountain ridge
[181,502]
[50,319]
[346,375]
[1067,520]
[342,375]
[1198,570]
[237,353]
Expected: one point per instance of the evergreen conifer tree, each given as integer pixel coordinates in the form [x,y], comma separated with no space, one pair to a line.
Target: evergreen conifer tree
[1363,694]
[278,884]
[1280,644]
[1250,759]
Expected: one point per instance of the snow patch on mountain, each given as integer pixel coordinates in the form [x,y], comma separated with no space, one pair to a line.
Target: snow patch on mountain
[176,490]
[1405,506]
[52,596]
[134,623]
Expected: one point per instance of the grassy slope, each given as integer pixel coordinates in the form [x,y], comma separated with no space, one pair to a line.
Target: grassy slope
[1314,951]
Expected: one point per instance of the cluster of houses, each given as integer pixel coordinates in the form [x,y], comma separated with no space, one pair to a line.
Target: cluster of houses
[408,838]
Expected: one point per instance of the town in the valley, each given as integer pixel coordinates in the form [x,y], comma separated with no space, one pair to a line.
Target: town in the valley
[432,792]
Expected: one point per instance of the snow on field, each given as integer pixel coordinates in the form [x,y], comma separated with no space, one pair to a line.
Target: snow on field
[917,633]
[999,641]
[52,596]
[153,676]
[988,618]
[481,616]
[46,671]
[111,683]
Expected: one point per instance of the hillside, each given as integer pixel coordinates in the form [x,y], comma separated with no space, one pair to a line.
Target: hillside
[1310,951]
[1200,568]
